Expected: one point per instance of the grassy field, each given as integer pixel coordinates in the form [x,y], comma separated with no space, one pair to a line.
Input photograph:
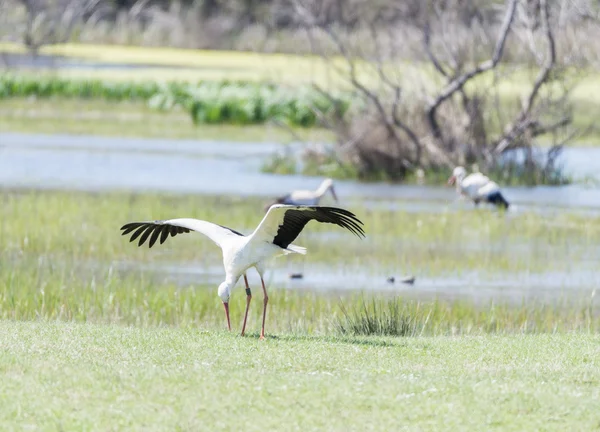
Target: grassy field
[186,65]
[68,224]
[93,377]
[133,119]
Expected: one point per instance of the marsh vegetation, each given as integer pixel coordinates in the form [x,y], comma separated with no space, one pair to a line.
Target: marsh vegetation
[63,259]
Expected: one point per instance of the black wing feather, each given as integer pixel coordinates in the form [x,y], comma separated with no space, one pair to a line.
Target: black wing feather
[130,227]
[155,228]
[295,220]
[155,235]
[165,234]
[146,234]
[138,232]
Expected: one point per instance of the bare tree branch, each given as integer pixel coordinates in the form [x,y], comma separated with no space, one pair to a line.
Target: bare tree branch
[397,90]
[458,83]
[537,129]
[370,95]
[523,121]
[434,60]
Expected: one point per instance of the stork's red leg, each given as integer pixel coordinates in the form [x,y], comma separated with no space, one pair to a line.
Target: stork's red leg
[265,301]
[248,298]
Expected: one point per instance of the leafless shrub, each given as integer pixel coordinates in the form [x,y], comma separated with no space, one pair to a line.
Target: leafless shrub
[457,117]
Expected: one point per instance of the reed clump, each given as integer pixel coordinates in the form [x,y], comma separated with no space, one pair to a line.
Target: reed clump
[207,102]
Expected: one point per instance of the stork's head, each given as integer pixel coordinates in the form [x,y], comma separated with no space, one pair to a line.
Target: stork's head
[458,174]
[224,291]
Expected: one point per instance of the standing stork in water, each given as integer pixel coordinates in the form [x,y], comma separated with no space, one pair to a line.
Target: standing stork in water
[273,237]
[477,187]
[307,197]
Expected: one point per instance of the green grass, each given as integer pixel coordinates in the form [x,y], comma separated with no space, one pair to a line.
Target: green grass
[192,65]
[75,290]
[222,102]
[131,119]
[64,258]
[69,224]
[94,377]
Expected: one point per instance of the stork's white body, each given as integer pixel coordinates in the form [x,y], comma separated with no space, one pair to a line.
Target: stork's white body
[242,253]
[477,186]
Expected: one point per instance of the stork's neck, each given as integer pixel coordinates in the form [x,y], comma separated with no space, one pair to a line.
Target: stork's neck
[322,189]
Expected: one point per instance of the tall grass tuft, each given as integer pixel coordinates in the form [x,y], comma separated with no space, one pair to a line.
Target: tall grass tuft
[376,318]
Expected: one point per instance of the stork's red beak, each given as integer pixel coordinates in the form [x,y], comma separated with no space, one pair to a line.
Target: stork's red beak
[226,306]
[451,180]
[334,195]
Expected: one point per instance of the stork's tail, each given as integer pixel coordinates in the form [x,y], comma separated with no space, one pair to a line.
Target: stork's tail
[497,199]
[296,249]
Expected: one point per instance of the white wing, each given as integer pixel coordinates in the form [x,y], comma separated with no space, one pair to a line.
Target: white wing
[162,229]
[488,189]
[473,183]
[475,179]
[283,223]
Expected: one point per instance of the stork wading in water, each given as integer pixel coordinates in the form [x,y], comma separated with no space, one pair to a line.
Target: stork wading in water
[477,187]
[273,237]
[307,197]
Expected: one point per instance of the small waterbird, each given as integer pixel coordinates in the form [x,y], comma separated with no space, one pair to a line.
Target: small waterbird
[477,187]
[273,237]
[307,197]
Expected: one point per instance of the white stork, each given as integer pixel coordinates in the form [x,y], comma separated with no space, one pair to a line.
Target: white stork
[307,197]
[477,187]
[273,237]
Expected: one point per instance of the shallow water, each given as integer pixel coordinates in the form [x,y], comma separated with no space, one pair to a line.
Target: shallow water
[480,288]
[211,167]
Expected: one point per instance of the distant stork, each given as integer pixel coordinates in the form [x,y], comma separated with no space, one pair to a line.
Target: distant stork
[273,237]
[477,187]
[307,197]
